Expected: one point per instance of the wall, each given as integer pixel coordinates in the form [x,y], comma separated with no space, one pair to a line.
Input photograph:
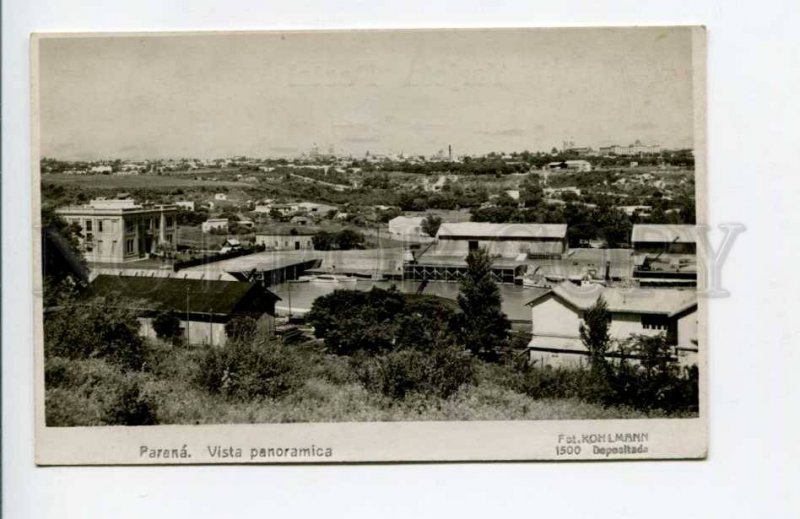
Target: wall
[556,326]
[505,248]
[687,330]
[203,332]
[285,242]
[199,332]
[551,317]
[623,325]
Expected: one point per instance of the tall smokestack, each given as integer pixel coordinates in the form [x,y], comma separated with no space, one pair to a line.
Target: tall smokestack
[450,153]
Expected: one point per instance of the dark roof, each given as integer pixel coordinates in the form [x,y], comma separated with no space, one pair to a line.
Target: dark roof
[186,295]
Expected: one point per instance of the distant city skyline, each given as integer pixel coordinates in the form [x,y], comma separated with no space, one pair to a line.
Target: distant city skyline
[412,92]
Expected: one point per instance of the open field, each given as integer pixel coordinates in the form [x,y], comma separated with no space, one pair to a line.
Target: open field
[138,181]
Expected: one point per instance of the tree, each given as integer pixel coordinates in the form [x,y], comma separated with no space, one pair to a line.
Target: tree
[531,193]
[241,328]
[322,240]
[354,320]
[595,337]
[275,214]
[348,239]
[63,265]
[430,224]
[483,326]
[594,331]
[105,328]
[167,326]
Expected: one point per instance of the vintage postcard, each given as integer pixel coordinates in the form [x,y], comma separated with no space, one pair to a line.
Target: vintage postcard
[361,246]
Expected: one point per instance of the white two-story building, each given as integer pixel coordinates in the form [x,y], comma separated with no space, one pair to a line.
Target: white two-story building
[557,314]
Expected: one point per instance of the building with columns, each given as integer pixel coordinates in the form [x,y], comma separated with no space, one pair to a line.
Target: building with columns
[119,231]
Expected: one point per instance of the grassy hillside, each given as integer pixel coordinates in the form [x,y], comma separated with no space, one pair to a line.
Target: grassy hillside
[324,388]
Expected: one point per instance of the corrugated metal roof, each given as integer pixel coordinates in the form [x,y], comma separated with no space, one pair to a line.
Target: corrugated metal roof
[629,300]
[502,230]
[664,233]
[180,295]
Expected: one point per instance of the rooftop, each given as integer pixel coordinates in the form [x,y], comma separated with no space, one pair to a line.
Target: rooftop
[181,295]
[664,233]
[113,206]
[502,230]
[624,300]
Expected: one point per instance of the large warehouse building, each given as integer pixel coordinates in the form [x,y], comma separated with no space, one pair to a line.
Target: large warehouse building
[512,240]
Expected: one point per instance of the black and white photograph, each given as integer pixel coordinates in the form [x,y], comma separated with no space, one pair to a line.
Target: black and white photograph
[318,232]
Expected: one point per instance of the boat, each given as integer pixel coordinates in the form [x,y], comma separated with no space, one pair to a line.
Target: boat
[303,279]
[332,279]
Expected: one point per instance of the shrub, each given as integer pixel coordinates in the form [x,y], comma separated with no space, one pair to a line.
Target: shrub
[354,320]
[246,370]
[100,328]
[132,404]
[546,382]
[241,328]
[396,374]
[167,326]
[657,380]
[96,392]
[380,320]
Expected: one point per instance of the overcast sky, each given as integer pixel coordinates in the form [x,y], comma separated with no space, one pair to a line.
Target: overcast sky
[387,92]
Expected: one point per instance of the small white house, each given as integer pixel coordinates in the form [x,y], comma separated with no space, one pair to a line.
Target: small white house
[285,240]
[220,196]
[557,313]
[217,224]
[230,245]
[570,165]
[405,228]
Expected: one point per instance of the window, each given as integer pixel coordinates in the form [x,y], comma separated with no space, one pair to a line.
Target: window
[655,322]
[169,221]
[99,225]
[130,226]
[113,246]
[473,245]
[88,226]
[89,237]
[129,246]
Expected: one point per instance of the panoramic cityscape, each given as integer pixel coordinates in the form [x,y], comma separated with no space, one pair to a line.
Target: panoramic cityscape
[350,280]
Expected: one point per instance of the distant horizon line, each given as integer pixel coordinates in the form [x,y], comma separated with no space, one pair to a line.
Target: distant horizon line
[306,154]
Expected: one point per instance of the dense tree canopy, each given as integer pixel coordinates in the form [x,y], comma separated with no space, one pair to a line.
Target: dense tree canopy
[380,320]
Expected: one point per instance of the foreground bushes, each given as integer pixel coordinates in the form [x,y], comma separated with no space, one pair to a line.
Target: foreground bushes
[106,329]
[655,382]
[250,369]
[97,392]
[398,373]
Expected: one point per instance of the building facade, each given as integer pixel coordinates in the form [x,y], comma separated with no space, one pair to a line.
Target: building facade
[570,165]
[511,241]
[557,314]
[203,307]
[637,148]
[285,241]
[405,228]
[217,224]
[118,231]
